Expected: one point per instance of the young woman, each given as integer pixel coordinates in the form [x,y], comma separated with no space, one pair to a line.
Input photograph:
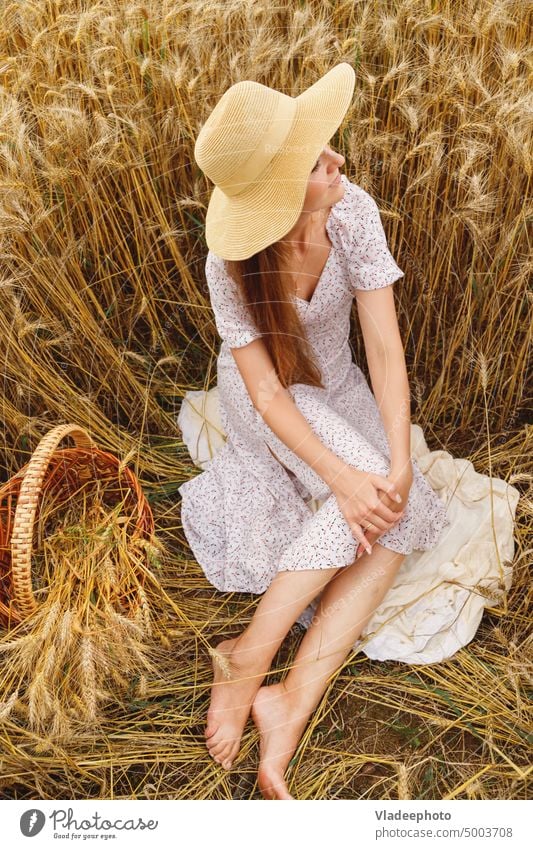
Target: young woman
[291,243]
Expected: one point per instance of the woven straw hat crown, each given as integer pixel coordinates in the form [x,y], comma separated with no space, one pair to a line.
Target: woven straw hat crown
[235,144]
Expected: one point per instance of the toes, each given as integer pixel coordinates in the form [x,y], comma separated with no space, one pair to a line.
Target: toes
[227,757]
[233,752]
[223,753]
[211,729]
[219,749]
[227,754]
[215,738]
[210,742]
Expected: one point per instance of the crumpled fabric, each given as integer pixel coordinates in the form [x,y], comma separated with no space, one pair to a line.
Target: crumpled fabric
[436,602]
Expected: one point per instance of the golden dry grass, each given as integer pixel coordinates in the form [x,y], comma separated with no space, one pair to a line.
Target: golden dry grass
[105,321]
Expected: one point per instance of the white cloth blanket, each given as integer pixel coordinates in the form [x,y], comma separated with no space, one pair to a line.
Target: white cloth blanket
[436,602]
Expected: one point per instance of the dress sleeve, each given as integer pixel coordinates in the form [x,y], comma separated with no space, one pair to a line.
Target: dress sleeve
[232,317]
[371,264]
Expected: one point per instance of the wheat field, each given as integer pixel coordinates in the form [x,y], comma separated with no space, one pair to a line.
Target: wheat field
[105,321]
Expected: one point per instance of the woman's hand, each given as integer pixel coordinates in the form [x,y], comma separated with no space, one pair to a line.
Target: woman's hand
[403,479]
[366,500]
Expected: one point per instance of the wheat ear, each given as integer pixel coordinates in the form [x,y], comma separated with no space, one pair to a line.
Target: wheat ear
[221,660]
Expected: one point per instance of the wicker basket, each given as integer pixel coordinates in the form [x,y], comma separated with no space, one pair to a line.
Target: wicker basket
[59,473]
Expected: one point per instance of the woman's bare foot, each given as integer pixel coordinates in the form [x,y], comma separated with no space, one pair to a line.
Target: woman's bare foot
[231,700]
[280,727]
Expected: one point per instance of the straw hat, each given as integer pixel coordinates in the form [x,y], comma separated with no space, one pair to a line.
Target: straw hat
[258,147]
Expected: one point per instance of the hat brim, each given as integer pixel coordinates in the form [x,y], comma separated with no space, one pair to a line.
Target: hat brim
[239,226]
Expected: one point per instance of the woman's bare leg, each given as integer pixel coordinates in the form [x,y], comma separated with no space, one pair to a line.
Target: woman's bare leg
[250,654]
[281,711]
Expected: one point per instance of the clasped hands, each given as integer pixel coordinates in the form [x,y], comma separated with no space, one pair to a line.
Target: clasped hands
[372,504]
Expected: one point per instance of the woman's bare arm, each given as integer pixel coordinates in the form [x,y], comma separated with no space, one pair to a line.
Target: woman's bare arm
[356,492]
[388,372]
[278,409]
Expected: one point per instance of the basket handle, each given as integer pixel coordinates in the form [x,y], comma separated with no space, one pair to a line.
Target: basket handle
[30,488]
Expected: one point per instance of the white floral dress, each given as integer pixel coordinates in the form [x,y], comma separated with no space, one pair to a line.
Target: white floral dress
[246,516]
